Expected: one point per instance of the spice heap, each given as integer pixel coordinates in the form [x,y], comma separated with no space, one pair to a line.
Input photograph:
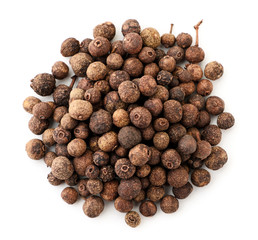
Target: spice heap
[137,128]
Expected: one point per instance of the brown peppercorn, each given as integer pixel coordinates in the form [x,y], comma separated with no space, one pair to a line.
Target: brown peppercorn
[140,197]
[62,168]
[80,62]
[177,177]
[155,156]
[190,115]
[167,63]
[196,71]
[67,122]
[154,105]
[188,88]
[53,180]
[123,205]
[96,71]
[161,140]
[133,66]
[164,78]
[194,163]
[29,103]
[61,95]
[92,95]
[131,25]
[159,54]
[124,169]
[109,192]
[69,195]
[93,206]
[73,180]
[168,39]
[173,111]
[203,150]
[204,87]
[197,100]
[200,177]
[108,141]
[161,124]
[47,137]
[177,93]
[155,193]
[139,154]
[107,173]
[129,136]
[143,171]
[117,47]
[102,86]
[129,188]
[161,93]
[145,182]
[100,122]
[204,119]
[106,29]
[59,112]
[157,176]
[92,171]
[49,157]
[43,84]
[38,126]
[183,192]
[82,188]
[61,150]
[100,158]
[187,144]
[85,84]
[217,158]
[81,130]
[99,47]
[117,77]
[194,54]
[171,159]
[225,120]
[213,70]
[176,132]
[177,53]
[132,43]
[94,186]
[128,92]
[81,163]
[169,204]
[184,40]
[35,149]
[121,151]
[85,45]
[147,85]
[80,109]
[140,117]
[147,55]
[60,70]
[151,37]
[61,135]
[148,133]
[69,47]
[114,61]
[76,93]
[148,208]
[195,133]
[113,102]
[214,105]
[132,219]
[121,118]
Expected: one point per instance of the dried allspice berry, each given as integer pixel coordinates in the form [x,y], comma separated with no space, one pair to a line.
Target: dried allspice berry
[213,70]
[107,173]
[69,195]
[129,136]
[112,102]
[53,180]
[168,39]
[81,163]
[203,150]
[80,62]
[212,134]
[123,205]
[139,155]
[92,171]
[121,118]
[93,95]
[143,171]
[200,177]
[61,150]
[29,103]
[35,149]
[117,77]
[67,122]
[161,140]
[82,188]
[100,122]
[183,192]
[133,66]
[196,71]
[38,126]
[147,55]
[190,115]
[177,53]
[47,137]
[100,158]
[148,208]
[204,87]
[154,105]
[84,45]
[117,47]
[169,204]
[204,119]
[60,70]
[110,190]
[132,43]
[61,135]
[99,47]
[81,130]
[164,78]
[173,111]
[177,177]
[96,71]
[140,117]
[61,94]
[43,84]
[171,159]
[148,133]
[161,124]
[124,169]
[80,109]
[129,188]
[128,92]
[132,219]
[73,180]
[69,47]
[93,206]
[197,100]
[167,63]
[62,168]
[147,85]
[108,141]
[176,132]
[42,110]
[184,40]
[225,120]
[131,25]
[217,158]
[214,105]
[94,186]
[177,93]
[157,176]
[115,61]
[155,194]
[187,144]
[106,29]
[49,157]
[59,112]
[151,37]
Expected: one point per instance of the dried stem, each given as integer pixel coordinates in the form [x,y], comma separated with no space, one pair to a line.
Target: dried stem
[196,27]
[171,27]
[74,77]
[114,49]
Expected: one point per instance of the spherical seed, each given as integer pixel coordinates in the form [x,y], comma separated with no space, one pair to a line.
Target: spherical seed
[157,176]
[129,136]
[132,219]
[49,157]
[35,149]
[62,168]
[123,205]
[80,62]
[204,87]
[47,137]
[190,115]
[155,193]
[147,85]
[81,130]
[143,171]
[106,29]
[29,103]
[96,71]
[100,158]
[53,180]
[204,119]
[161,124]
[69,195]
[167,63]
[197,100]
[177,93]
[117,77]
[154,105]
[128,92]
[108,141]
[177,53]
[84,46]
[187,145]
[148,208]
[177,177]
[188,88]
[200,177]
[164,78]
[107,173]
[173,111]
[80,109]
[176,132]
[67,122]
[99,47]
[148,133]
[114,61]
[212,134]
[159,54]
[82,188]
[203,150]
[133,66]
[169,204]
[196,71]
[124,168]
[93,206]
[161,140]
[213,70]
[225,120]
[140,117]
[92,171]
[183,192]
[132,43]
[155,156]
[59,112]
[109,192]
[129,188]
[217,158]
[38,126]
[214,105]
[150,37]
[94,186]
[43,84]
[61,135]
[121,118]
[139,154]
[147,55]
[184,40]
[69,47]
[171,159]
[61,150]
[131,25]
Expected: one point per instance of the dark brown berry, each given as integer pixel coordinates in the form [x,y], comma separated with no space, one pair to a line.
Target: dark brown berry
[188,88]
[161,124]
[62,168]
[49,157]
[47,137]
[73,180]
[82,188]
[187,144]
[117,47]
[85,45]
[43,84]
[171,159]
[81,130]
[92,171]
[169,204]
[147,55]
[108,141]
[194,54]
[61,95]
[190,115]
[133,66]
[100,158]
[121,118]
[143,171]
[200,177]
[94,186]
[29,103]
[217,158]
[132,43]
[42,110]
[196,71]
[159,54]
[128,92]
[60,70]
[129,136]
[69,195]
[131,25]
[96,71]
[214,105]
[204,119]
[177,53]
[225,120]
[132,219]
[183,192]
[67,122]
[117,77]
[140,117]
[80,62]
[157,176]
[184,40]
[177,177]
[129,188]
[155,193]
[203,150]
[147,85]
[155,156]
[148,208]
[85,84]
[93,206]
[139,155]
[176,132]
[213,70]
[173,111]
[167,63]
[177,93]
[99,47]
[164,78]
[151,69]
[109,192]
[70,47]
[107,173]
[123,205]
[148,133]
[204,87]
[161,140]
[115,61]
[106,29]
[53,180]
[35,149]
[61,150]
[151,37]
[38,126]
[124,168]
[197,100]
[80,109]
[59,112]
[61,135]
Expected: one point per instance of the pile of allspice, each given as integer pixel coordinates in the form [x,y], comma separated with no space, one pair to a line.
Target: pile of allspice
[137,128]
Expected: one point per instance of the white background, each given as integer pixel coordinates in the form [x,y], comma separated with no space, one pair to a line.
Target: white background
[31,35]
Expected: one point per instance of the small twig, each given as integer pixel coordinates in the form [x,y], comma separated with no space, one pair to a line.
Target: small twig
[196,27]
[74,77]
[171,27]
